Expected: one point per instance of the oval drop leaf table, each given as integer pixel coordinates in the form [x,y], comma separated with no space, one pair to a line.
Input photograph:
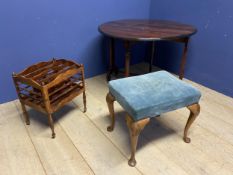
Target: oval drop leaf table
[145,30]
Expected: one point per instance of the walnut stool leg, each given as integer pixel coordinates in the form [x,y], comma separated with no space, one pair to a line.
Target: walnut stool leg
[84,102]
[134,129]
[51,124]
[194,112]
[110,100]
[25,114]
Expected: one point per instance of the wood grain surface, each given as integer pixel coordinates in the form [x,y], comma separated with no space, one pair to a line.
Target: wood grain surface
[147,30]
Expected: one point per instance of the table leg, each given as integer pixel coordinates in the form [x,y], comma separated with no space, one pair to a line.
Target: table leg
[152,55]
[183,60]
[127,57]
[112,66]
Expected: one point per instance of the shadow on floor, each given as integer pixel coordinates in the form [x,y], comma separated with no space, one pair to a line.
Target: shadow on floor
[42,119]
[154,130]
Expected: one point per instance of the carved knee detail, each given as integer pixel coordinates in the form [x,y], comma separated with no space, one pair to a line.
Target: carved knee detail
[195,109]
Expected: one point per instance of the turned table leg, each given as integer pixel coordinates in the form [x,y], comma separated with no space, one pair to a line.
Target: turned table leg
[112,66]
[127,57]
[194,112]
[183,59]
[135,127]
[110,101]
[152,55]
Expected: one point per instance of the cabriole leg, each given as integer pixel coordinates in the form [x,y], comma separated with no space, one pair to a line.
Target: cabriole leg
[110,101]
[134,129]
[194,112]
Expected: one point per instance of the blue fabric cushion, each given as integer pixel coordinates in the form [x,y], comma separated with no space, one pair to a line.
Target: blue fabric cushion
[153,94]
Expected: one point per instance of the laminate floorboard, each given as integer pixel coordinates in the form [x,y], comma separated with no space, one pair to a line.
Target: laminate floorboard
[84,146]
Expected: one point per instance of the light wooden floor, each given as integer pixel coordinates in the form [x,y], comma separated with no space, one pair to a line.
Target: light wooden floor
[83,146]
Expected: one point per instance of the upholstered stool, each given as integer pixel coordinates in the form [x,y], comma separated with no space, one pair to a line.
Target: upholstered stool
[150,95]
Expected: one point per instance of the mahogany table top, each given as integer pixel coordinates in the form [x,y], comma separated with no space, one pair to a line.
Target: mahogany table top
[146,30]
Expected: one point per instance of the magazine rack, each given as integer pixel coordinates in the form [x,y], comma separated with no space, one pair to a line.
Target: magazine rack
[48,86]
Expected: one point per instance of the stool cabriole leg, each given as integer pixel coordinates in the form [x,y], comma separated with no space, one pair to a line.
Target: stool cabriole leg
[135,127]
[194,112]
[110,101]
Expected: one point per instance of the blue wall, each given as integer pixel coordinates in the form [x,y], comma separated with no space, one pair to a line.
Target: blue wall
[210,57]
[32,31]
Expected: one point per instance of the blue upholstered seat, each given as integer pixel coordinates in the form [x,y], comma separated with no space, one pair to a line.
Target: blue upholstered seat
[153,94]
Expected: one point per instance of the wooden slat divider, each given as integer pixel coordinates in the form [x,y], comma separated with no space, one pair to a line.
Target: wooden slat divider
[66,91]
[50,77]
[30,97]
[66,98]
[62,87]
[46,70]
[30,91]
[33,72]
[47,86]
